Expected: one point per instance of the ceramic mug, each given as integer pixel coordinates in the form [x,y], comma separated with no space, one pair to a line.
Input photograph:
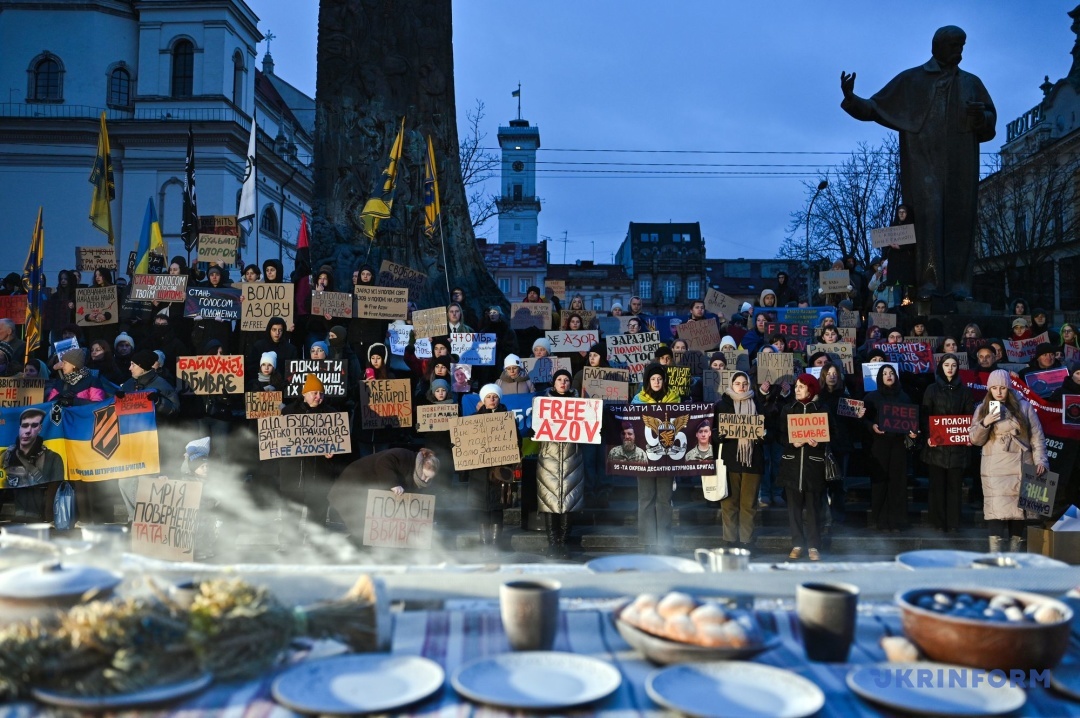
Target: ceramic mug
[719,560]
[826,614]
[530,613]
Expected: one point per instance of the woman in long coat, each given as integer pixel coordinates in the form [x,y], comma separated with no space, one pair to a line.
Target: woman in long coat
[745,462]
[560,477]
[802,472]
[946,396]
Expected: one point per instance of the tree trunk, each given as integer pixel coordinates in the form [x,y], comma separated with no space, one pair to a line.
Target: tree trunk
[379,60]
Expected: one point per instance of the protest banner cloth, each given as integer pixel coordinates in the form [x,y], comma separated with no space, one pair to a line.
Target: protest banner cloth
[398,336]
[87,259]
[557,287]
[850,408]
[295,435]
[541,369]
[847,318]
[665,441]
[714,383]
[392,521]
[961,359]
[1037,493]
[96,305]
[331,372]
[588,318]
[484,440]
[21,392]
[430,323]
[901,234]
[262,302]
[610,385]
[1022,351]
[386,404]
[530,315]
[881,320]
[632,351]
[460,378]
[1044,383]
[834,281]
[167,288]
[13,307]
[435,417]
[678,378]
[773,368]
[912,358]
[870,372]
[843,350]
[333,304]
[702,336]
[398,275]
[567,420]
[218,248]
[950,430]
[898,418]
[214,303]
[812,316]
[1070,410]
[569,342]
[212,374]
[721,304]
[166,514]
[473,348]
[807,427]
[388,303]
[261,404]
[520,405]
[740,426]
[797,335]
[157,263]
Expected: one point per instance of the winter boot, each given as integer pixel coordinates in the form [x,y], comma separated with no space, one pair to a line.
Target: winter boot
[997,544]
[552,535]
[1016,544]
[563,535]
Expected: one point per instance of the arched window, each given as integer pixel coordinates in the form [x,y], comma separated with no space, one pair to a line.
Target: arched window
[238,79]
[268,224]
[120,87]
[183,69]
[46,82]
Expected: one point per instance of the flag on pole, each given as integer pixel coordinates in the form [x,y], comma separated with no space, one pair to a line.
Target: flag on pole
[150,240]
[378,207]
[431,192]
[33,284]
[189,230]
[303,245]
[248,199]
[101,176]
[516,93]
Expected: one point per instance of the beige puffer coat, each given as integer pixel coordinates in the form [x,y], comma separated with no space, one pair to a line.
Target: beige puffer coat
[1003,452]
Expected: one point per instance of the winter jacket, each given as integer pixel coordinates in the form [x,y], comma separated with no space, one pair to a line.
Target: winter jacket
[84,391]
[945,398]
[518,385]
[882,443]
[729,448]
[1003,453]
[167,401]
[801,468]
[840,427]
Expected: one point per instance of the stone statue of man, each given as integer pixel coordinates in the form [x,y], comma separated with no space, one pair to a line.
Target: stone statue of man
[942,114]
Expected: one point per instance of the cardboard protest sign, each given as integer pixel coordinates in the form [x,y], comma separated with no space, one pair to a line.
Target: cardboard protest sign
[870,372]
[847,318]
[693,360]
[1070,409]
[797,335]
[1044,383]
[847,334]
[557,287]
[530,315]
[435,417]
[388,303]
[398,275]
[156,264]
[882,320]
[961,359]
[610,385]
[13,307]
[740,426]
[474,348]
[540,370]
[295,435]
[1022,351]
[87,259]
[588,319]
[678,379]
[834,281]
[214,303]
[392,521]
[632,351]
[804,427]
[720,303]
[1037,493]
[702,335]
[888,236]
[262,302]
[773,368]
[896,418]
[429,323]
[334,304]
[662,439]
[460,378]
[714,383]
[843,350]
[166,514]
[734,356]
[850,408]
[133,403]
[331,372]
[219,224]
[950,430]
[212,374]
[567,420]
[569,342]
[386,404]
[519,405]
[21,392]
[260,404]
[171,288]
[398,336]
[218,248]
[96,305]
[484,440]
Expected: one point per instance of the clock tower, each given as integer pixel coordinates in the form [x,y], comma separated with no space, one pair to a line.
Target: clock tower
[518,204]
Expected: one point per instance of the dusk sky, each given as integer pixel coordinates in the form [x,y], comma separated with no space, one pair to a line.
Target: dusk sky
[745,98]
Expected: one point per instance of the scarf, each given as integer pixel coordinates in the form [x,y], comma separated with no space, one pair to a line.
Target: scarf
[76,376]
[744,405]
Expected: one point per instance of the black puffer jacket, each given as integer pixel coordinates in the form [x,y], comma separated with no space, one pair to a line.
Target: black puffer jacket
[943,398]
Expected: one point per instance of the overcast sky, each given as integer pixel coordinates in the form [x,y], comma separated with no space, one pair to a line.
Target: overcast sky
[700,82]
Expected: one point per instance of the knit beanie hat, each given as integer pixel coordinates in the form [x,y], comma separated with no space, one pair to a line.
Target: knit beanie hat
[727,342]
[144,358]
[312,383]
[323,345]
[543,342]
[490,389]
[123,337]
[161,357]
[998,377]
[268,358]
[511,360]
[440,384]
[74,357]
[811,383]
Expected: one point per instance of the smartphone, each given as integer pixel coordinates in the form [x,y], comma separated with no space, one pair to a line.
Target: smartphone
[995,406]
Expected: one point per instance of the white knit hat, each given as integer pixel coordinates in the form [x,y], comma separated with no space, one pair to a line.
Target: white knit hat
[490,389]
[511,360]
[269,358]
[728,341]
[542,342]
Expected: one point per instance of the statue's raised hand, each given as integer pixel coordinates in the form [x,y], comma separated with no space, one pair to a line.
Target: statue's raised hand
[847,83]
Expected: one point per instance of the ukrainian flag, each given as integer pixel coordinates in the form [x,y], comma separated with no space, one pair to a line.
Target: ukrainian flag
[103,442]
[101,176]
[431,192]
[378,208]
[33,284]
[150,240]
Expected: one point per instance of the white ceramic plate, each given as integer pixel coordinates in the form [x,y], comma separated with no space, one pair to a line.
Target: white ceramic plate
[630,562]
[734,689]
[941,693]
[938,558]
[1066,680]
[536,680]
[124,701]
[357,683]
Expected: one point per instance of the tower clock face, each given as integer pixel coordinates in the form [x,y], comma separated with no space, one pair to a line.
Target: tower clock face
[518,166]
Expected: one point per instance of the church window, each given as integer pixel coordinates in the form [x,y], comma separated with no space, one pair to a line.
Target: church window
[183,69]
[120,87]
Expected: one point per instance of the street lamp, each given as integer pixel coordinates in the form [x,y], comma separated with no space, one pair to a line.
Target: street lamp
[809,275]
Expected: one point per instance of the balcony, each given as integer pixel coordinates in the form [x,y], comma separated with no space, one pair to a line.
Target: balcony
[159,114]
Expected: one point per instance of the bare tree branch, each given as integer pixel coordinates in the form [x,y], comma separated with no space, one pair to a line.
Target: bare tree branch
[477,167]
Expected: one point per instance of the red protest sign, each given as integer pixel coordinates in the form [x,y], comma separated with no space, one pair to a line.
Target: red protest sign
[14,308]
[134,403]
[950,430]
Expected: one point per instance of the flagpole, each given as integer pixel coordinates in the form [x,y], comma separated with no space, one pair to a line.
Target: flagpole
[255,174]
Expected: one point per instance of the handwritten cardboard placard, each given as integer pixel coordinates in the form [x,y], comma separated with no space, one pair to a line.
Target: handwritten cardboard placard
[797,335]
[557,287]
[169,288]
[213,303]
[398,275]
[950,430]
[911,357]
[261,404]
[21,392]
[693,360]
[530,315]
[847,334]
[87,259]
[804,427]
[212,374]
[773,368]
[541,369]
[136,402]
[262,302]
[714,383]
[569,342]
[386,404]
[843,350]
[294,435]
[388,303]
[219,224]
[567,420]
[334,304]
[961,359]
[719,303]
[392,521]
[484,440]
[331,372]
[605,383]
[156,263]
[1070,409]
[701,335]
[741,426]
[850,408]
[632,351]
[166,514]
[847,318]
[430,323]
[435,417]
[834,281]
[896,418]
[218,248]
[95,306]
[474,348]
[882,320]
[1037,493]
[678,378]
[1022,351]
[13,307]
[888,236]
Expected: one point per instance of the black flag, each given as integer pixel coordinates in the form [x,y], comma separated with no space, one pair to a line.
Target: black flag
[190,229]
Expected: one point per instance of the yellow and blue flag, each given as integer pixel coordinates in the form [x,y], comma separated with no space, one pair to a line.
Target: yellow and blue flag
[101,176]
[431,192]
[378,207]
[150,240]
[34,285]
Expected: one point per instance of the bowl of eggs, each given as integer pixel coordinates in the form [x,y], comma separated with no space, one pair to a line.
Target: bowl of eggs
[678,628]
[988,628]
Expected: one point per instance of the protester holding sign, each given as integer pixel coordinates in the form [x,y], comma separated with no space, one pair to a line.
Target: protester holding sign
[59,307]
[307,480]
[1007,428]
[513,380]
[363,332]
[75,385]
[947,396]
[560,477]
[744,460]
[487,484]
[213,327]
[276,340]
[802,473]
[888,475]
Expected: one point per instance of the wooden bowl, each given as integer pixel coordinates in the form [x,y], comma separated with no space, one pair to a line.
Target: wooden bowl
[985,644]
